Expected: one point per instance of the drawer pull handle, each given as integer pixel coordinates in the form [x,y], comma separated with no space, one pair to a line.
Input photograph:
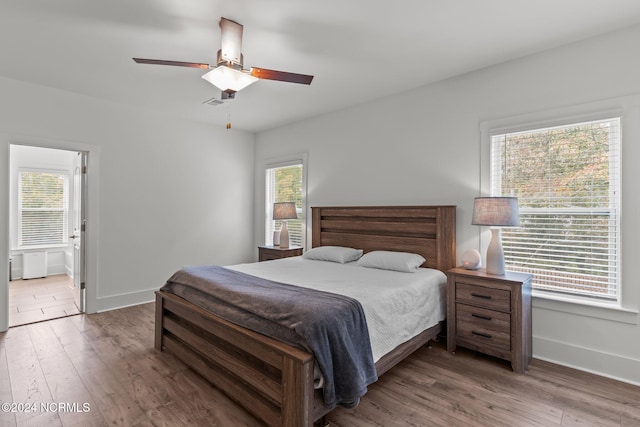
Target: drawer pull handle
[480,316]
[473,294]
[481,334]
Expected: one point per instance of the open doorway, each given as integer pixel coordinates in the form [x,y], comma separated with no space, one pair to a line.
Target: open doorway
[47,238]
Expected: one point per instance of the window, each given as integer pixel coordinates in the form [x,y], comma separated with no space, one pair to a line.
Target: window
[42,207]
[567,181]
[285,183]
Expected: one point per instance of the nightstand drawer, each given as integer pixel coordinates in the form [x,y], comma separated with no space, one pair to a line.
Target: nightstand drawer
[268,253]
[487,320]
[268,256]
[486,297]
[482,337]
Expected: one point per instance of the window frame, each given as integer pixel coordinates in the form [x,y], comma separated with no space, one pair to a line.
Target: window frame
[627,308]
[65,210]
[612,211]
[292,160]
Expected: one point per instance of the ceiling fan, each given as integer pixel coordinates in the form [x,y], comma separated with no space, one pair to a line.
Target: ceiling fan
[228,73]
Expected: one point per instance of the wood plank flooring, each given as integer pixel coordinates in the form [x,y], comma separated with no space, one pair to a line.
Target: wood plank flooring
[103,370]
[35,300]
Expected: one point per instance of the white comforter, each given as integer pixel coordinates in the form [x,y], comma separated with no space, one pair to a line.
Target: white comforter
[398,306]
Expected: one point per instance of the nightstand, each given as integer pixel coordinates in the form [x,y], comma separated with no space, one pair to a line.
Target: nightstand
[490,314]
[266,253]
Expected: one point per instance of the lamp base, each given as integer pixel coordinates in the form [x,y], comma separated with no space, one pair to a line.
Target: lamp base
[495,254]
[284,235]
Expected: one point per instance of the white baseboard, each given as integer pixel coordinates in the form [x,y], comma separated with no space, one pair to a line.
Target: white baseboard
[56,269]
[609,365]
[123,300]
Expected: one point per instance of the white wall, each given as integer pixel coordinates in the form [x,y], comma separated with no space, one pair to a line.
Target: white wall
[423,147]
[162,192]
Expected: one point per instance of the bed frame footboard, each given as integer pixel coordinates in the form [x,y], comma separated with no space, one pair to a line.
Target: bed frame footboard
[270,379]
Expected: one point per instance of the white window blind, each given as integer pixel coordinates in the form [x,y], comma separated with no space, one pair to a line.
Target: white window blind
[567,181]
[284,183]
[43,204]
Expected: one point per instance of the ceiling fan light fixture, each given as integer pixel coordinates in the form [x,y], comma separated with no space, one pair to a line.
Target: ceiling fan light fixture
[229,79]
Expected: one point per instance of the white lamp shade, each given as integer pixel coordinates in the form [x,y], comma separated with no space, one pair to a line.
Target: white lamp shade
[284,210]
[496,211]
[229,79]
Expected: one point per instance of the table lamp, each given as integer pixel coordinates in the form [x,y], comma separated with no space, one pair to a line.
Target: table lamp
[283,211]
[496,212]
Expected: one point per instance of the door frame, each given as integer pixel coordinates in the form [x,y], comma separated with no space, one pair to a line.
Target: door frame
[91,203]
[79,222]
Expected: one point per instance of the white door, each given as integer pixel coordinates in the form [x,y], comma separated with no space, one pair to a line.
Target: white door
[79,230]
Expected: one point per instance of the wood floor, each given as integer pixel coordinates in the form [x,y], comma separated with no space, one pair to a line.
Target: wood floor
[101,369]
[35,300]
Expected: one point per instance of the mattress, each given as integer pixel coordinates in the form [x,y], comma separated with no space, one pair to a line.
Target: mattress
[397,306]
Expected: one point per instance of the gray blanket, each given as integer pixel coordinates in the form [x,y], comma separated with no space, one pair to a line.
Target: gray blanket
[332,327]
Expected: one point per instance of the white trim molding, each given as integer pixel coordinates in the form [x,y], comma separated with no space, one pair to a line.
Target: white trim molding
[129,299]
[618,367]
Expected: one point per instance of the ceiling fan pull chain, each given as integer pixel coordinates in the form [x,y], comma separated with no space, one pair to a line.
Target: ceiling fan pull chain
[228,115]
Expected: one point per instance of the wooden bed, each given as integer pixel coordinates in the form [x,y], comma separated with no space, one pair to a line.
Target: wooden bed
[273,380]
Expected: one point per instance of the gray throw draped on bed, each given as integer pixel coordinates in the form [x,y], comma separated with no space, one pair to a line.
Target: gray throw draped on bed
[330,326]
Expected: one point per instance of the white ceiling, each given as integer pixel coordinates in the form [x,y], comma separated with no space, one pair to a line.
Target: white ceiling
[357,50]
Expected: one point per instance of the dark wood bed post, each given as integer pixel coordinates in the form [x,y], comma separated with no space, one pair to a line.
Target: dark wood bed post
[296,390]
[159,324]
[446,232]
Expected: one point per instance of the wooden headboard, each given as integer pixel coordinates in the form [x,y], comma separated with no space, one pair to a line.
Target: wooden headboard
[426,230]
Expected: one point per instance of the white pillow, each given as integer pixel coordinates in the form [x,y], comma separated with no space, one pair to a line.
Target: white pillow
[397,261]
[333,253]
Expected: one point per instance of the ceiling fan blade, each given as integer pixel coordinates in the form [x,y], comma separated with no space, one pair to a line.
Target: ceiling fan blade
[231,41]
[283,76]
[174,63]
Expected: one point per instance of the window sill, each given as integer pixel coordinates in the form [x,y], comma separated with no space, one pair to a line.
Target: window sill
[39,247]
[583,307]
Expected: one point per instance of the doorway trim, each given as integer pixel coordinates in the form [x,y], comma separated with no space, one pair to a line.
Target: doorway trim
[92,213]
